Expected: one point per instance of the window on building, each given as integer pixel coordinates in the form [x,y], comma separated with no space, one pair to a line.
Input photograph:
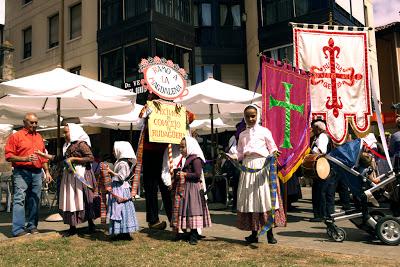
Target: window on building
[111,12]
[301,7]
[27,34]
[133,55]
[179,55]
[183,57]
[76,70]
[230,15]
[75,25]
[182,10]
[112,68]
[284,53]
[165,7]
[277,10]
[203,72]
[53,30]
[135,7]
[205,14]
[195,15]
[164,49]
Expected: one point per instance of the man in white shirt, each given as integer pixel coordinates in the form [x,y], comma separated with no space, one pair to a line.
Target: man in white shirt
[323,191]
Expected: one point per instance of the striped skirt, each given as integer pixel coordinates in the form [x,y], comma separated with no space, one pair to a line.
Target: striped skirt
[193,209]
[121,216]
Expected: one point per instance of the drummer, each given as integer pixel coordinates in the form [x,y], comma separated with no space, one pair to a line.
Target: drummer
[323,191]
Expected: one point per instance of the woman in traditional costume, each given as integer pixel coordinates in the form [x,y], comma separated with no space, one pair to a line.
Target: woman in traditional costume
[121,211]
[76,196]
[190,209]
[254,200]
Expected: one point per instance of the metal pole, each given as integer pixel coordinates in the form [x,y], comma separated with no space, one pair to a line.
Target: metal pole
[58,126]
[212,138]
[131,133]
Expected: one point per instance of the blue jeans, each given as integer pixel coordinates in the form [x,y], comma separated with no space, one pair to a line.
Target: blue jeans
[27,187]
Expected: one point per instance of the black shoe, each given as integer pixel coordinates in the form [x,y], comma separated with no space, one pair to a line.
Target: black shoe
[158,225]
[272,240]
[23,233]
[193,238]
[251,239]
[33,231]
[270,237]
[200,236]
[316,220]
[70,232]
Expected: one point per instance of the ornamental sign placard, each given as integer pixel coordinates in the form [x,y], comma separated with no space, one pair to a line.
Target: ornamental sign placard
[167,123]
[163,78]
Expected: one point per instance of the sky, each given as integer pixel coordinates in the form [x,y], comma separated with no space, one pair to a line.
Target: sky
[386,11]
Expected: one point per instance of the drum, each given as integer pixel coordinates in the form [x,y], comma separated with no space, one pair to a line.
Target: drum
[316,166]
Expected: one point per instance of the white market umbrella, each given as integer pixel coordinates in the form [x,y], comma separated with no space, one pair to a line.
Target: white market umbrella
[126,121]
[79,96]
[204,126]
[221,99]
[229,101]
[15,117]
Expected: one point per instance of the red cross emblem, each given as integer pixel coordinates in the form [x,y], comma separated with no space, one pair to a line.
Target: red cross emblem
[346,75]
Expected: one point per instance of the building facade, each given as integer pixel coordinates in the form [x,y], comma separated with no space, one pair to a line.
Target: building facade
[388,50]
[130,30]
[46,34]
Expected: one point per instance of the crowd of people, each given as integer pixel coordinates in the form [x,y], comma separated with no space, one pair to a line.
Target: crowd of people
[84,196]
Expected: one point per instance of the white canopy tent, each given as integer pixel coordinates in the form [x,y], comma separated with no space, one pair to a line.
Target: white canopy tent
[204,126]
[64,94]
[78,95]
[229,101]
[126,121]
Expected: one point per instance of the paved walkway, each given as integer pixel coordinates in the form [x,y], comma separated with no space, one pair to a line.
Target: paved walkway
[299,233]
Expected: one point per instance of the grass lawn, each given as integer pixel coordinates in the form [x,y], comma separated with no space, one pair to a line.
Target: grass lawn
[157,249]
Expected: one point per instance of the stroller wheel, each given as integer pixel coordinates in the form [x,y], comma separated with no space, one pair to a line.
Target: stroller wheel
[388,230]
[339,235]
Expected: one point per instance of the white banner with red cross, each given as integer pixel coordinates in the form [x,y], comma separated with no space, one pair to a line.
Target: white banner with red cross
[338,63]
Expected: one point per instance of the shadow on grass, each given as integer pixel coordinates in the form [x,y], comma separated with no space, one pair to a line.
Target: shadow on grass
[231,241]
[164,235]
[6,231]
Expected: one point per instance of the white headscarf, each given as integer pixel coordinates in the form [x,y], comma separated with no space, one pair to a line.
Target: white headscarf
[124,150]
[258,119]
[76,133]
[193,148]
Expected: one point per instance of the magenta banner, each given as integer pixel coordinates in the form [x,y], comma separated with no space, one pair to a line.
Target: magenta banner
[286,112]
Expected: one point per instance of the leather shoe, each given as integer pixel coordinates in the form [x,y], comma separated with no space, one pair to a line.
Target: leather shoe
[193,238]
[34,231]
[272,240]
[251,239]
[158,225]
[23,233]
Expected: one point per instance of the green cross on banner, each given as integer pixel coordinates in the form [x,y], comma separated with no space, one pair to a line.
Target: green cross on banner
[288,107]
